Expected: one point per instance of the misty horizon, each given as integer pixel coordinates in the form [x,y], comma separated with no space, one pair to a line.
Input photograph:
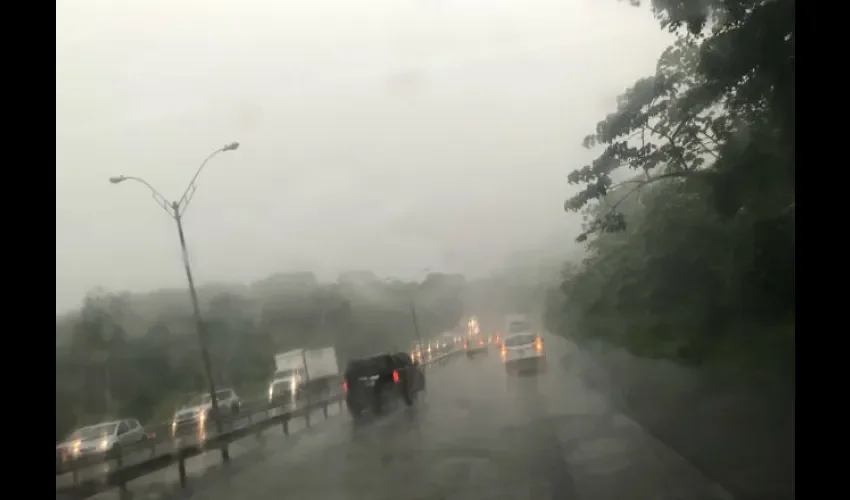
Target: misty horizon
[391,138]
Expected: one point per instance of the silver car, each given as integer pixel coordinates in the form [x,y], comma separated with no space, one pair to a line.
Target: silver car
[104,438]
[194,416]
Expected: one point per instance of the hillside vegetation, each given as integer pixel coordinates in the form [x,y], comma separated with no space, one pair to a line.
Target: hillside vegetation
[685,302]
[692,257]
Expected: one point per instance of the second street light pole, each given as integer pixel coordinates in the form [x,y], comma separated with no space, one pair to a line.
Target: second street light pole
[415,323]
[202,332]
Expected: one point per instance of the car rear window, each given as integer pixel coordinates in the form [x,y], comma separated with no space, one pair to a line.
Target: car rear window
[519,327]
[369,366]
[516,340]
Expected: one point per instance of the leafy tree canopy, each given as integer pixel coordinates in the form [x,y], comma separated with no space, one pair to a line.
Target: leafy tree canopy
[691,255]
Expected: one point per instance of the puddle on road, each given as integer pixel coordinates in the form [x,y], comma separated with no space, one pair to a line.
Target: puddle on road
[477,477]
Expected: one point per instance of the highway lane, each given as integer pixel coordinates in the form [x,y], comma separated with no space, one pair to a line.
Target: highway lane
[478,434]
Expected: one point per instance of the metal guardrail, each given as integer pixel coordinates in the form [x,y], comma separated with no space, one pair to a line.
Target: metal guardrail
[118,468]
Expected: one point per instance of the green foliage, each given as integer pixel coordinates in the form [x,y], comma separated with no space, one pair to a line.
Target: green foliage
[692,258]
[103,372]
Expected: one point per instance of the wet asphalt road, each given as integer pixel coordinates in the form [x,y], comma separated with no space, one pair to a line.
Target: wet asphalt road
[476,434]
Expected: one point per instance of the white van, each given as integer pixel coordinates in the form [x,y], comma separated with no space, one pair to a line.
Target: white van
[522,349]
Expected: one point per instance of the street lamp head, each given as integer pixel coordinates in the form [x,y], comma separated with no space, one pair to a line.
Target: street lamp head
[231,147]
[117,179]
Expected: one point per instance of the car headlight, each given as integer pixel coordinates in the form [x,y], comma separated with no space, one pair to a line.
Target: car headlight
[103,445]
[271,393]
[202,417]
[75,448]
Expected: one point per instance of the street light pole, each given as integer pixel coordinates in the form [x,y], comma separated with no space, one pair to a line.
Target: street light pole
[176,210]
[413,312]
[415,323]
[199,325]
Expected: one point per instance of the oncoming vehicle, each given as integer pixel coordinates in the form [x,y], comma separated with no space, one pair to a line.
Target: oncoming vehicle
[476,344]
[522,350]
[416,353]
[302,374]
[106,438]
[496,339]
[371,383]
[195,415]
[445,342]
[284,387]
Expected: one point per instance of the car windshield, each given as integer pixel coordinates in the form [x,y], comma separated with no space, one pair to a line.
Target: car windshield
[403,358]
[517,340]
[280,385]
[368,366]
[287,373]
[93,432]
[203,399]
[577,217]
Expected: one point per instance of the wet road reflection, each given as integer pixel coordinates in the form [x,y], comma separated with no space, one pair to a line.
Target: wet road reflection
[479,434]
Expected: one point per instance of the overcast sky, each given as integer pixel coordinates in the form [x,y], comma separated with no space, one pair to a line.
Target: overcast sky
[389,135]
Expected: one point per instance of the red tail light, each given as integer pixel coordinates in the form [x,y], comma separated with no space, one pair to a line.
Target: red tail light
[396,377]
[345,386]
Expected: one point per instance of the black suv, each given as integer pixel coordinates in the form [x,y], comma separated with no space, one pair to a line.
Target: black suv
[371,383]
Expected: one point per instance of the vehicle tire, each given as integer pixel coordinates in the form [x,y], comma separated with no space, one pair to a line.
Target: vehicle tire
[378,399]
[408,394]
[354,410]
[114,452]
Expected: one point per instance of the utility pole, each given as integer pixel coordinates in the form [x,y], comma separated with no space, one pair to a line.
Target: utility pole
[176,210]
[202,333]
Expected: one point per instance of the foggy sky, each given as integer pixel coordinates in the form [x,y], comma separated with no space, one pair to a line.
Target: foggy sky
[389,135]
